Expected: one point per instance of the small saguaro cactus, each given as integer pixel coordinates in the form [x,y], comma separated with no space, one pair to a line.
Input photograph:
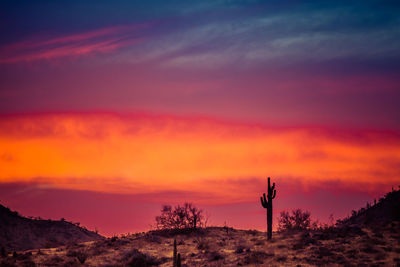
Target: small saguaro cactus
[175,251]
[266,202]
[177,257]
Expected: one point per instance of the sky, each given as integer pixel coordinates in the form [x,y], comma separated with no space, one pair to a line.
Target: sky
[109,110]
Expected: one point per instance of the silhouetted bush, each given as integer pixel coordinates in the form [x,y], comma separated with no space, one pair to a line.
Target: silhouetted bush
[80,255]
[215,256]
[299,220]
[152,238]
[202,242]
[139,259]
[256,257]
[240,249]
[180,217]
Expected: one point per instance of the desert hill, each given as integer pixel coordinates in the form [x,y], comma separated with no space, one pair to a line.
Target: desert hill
[380,213]
[20,233]
[354,241]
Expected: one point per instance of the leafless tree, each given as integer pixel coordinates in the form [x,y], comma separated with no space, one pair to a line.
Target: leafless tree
[180,217]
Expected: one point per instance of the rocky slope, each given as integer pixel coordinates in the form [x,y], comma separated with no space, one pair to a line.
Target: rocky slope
[20,233]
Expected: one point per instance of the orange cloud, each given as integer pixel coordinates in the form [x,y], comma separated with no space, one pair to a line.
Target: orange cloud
[141,153]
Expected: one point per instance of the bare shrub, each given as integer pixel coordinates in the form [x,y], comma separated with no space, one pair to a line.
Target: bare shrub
[98,248]
[298,220]
[180,217]
[80,255]
[202,242]
[240,249]
[138,259]
[215,256]
[152,238]
[256,257]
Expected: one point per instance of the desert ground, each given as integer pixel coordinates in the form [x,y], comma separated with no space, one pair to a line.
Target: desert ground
[219,246]
[369,237]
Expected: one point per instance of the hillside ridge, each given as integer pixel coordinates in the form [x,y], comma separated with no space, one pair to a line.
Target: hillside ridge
[22,233]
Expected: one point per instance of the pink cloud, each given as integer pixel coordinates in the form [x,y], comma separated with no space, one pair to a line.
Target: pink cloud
[97,41]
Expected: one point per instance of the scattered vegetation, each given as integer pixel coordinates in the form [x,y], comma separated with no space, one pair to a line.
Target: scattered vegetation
[22,233]
[79,254]
[135,258]
[300,242]
[255,257]
[187,216]
[297,220]
[383,211]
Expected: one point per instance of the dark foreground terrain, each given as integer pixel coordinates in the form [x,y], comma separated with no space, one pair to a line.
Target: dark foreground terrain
[20,233]
[370,237]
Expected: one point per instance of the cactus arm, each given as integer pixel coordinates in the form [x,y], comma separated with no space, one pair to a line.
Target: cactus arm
[273,196]
[264,201]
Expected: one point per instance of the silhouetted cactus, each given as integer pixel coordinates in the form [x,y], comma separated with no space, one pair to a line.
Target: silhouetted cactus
[266,202]
[177,258]
[175,251]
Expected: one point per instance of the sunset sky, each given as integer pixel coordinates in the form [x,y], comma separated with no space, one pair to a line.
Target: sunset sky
[109,109]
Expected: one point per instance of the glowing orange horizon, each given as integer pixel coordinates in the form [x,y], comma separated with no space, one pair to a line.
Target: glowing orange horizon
[145,153]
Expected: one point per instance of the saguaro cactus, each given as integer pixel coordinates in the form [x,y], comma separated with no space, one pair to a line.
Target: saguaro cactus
[178,260]
[177,257]
[175,251]
[266,202]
